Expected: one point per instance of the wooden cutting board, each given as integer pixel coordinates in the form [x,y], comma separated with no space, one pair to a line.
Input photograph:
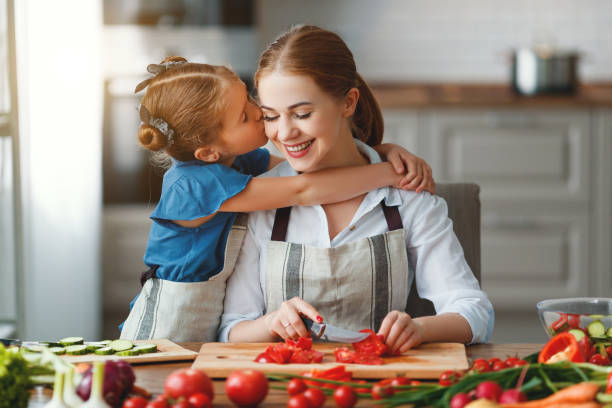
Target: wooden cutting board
[166,351]
[426,361]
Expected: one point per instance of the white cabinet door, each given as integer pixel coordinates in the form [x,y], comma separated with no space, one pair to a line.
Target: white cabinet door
[529,256]
[401,128]
[536,155]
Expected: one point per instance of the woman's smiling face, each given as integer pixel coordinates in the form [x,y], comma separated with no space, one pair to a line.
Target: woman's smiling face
[306,124]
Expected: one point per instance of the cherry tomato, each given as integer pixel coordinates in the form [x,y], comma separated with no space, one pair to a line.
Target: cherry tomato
[382,390]
[399,381]
[345,397]
[492,361]
[246,387]
[448,377]
[296,386]
[499,365]
[363,390]
[481,366]
[186,382]
[181,404]
[135,402]
[200,400]
[511,360]
[298,401]
[599,360]
[315,396]
[158,404]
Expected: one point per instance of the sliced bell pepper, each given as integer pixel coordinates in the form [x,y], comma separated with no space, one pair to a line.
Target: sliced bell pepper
[560,323]
[562,346]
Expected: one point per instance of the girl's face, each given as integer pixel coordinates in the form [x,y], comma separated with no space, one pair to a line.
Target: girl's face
[310,127]
[243,129]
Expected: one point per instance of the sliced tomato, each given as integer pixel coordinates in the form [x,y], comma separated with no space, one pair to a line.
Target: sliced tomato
[284,351]
[344,355]
[304,343]
[371,345]
[263,358]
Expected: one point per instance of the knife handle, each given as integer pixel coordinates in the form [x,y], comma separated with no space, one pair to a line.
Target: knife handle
[315,329]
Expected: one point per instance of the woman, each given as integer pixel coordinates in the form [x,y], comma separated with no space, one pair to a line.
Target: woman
[351,262]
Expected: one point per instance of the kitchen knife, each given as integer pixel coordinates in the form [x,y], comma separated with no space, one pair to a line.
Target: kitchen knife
[327,332]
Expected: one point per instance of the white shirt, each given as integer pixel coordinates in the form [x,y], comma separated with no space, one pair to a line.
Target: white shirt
[434,253]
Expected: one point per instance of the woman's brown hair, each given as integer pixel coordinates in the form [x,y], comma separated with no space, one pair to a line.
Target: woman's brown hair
[323,56]
[190,98]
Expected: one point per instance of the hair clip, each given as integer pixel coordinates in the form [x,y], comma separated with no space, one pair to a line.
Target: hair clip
[158,123]
[157,69]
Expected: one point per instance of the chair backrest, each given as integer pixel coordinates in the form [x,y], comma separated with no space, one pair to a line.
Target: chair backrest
[463,200]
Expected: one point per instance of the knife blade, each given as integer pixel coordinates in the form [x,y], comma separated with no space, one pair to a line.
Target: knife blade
[24,343]
[327,332]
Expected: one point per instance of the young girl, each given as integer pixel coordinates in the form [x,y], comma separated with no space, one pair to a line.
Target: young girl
[201,117]
[352,262]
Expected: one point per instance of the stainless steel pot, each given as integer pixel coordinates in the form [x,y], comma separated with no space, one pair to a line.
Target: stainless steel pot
[537,71]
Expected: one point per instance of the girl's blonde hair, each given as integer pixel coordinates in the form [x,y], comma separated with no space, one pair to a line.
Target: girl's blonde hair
[190,98]
[323,56]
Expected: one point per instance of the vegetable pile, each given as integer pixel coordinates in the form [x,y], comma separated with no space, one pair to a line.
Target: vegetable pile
[294,352]
[367,351]
[594,339]
[76,346]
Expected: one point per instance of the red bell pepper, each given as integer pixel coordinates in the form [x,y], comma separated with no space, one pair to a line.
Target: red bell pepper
[573,321]
[560,323]
[562,346]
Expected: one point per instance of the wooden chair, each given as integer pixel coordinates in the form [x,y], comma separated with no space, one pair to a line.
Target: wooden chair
[463,200]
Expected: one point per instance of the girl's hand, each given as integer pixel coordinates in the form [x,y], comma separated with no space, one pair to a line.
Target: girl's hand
[418,173]
[400,332]
[286,321]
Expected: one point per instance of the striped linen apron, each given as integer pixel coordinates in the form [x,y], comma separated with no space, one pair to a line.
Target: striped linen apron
[353,286]
[184,311]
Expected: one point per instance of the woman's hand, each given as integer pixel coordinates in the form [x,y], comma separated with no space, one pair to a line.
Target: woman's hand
[418,173]
[286,321]
[400,332]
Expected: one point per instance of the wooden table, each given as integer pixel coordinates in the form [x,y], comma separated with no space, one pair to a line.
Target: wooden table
[151,376]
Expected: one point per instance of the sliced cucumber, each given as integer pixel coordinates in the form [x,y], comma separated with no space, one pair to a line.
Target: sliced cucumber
[36,349]
[76,349]
[578,334]
[597,329]
[104,351]
[130,352]
[146,348]
[58,350]
[121,345]
[105,342]
[609,333]
[50,343]
[71,341]
[93,346]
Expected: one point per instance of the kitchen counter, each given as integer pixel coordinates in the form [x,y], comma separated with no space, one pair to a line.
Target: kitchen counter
[151,376]
[419,95]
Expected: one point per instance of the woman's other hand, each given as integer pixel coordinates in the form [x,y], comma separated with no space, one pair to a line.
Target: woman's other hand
[400,332]
[418,174]
[286,321]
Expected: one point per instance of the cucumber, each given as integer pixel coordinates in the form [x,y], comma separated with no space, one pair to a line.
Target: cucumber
[104,351]
[121,345]
[146,348]
[50,343]
[609,333]
[71,341]
[578,334]
[597,329]
[76,349]
[105,342]
[130,352]
[57,350]
[93,346]
[36,349]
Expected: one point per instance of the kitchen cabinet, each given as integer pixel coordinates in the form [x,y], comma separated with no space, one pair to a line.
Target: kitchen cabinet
[544,173]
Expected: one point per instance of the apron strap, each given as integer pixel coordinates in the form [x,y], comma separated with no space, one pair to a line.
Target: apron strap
[393,217]
[148,274]
[281,221]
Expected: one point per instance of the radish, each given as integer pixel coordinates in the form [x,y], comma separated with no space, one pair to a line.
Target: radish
[489,390]
[512,396]
[460,400]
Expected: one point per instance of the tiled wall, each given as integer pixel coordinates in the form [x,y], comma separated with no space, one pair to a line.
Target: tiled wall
[451,40]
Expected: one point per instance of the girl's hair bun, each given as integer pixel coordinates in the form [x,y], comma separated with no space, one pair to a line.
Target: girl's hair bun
[151,138]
